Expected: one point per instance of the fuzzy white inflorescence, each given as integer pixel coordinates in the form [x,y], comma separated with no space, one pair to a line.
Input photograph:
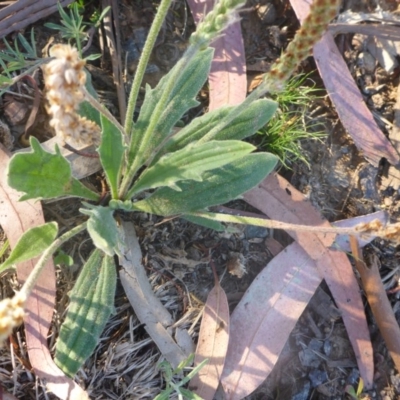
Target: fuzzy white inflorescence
[11,314]
[65,79]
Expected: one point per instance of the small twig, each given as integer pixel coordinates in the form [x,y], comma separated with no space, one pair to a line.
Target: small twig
[101,109]
[90,34]
[35,106]
[79,152]
[115,55]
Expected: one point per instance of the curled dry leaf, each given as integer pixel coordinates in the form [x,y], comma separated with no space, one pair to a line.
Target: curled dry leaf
[15,218]
[212,343]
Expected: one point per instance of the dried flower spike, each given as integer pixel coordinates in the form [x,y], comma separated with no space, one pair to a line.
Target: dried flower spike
[11,314]
[321,13]
[65,79]
[215,22]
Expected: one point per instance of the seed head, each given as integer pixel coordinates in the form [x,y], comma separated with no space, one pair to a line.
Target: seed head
[65,79]
[321,13]
[11,314]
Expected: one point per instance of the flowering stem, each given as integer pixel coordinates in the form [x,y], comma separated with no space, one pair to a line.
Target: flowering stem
[34,275]
[273,224]
[143,61]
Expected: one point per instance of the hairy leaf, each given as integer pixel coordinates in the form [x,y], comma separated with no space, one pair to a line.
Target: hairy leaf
[182,98]
[111,153]
[32,243]
[43,175]
[218,187]
[102,227]
[91,304]
[244,125]
[190,163]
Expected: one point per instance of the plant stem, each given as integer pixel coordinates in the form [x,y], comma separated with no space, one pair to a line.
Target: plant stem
[101,109]
[34,275]
[272,224]
[143,61]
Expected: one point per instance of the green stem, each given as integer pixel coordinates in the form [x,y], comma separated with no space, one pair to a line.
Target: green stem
[34,275]
[158,111]
[143,61]
[272,224]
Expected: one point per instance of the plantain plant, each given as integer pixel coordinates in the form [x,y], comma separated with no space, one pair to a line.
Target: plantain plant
[149,166]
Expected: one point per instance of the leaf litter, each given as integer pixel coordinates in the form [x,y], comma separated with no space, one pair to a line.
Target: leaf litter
[191,242]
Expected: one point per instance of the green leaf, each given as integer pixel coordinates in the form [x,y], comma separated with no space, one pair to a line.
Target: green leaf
[219,186]
[43,175]
[181,99]
[215,225]
[92,57]
[165,394]
[102,227]
[62,258]
[111,153]
[189,395]
[243,125]
[85,108]
[32,243]
[190,163]
[91,303]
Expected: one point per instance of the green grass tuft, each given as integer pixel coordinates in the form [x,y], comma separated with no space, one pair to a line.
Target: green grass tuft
[286,130]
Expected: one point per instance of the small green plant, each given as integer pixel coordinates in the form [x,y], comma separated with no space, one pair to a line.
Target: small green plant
[356,395]
[148,166]
[283,134]
[23,55]
[4,248]
[73,28]
[172,385]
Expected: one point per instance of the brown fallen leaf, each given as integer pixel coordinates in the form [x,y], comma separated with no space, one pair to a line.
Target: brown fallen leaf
[227,79]
[378,301]
[212,343]
[276,198]
[15,218]
[262,321]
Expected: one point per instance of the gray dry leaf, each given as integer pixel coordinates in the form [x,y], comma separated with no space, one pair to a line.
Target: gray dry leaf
[147,306]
